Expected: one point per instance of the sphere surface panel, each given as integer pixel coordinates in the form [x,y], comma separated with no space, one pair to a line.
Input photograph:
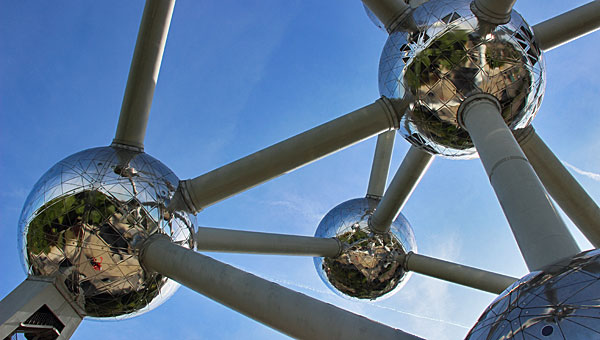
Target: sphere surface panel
[562,301]
[451,56]
[84,220]
[369,266]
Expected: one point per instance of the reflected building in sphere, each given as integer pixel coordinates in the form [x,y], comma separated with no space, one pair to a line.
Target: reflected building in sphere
[85,220]
[450,55]
[562,301]
[369,266]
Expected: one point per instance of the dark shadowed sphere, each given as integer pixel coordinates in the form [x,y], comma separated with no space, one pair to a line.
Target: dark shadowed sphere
[450,55]
[85,219]
[562,301]
[369,266]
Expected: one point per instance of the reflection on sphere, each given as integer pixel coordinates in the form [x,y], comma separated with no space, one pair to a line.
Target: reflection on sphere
[562,301]
[85,219]
[369,266]
[451,56]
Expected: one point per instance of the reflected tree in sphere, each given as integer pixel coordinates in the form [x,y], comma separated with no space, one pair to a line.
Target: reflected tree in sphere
[449,55]
[85,220]
[369,266]
[561,301]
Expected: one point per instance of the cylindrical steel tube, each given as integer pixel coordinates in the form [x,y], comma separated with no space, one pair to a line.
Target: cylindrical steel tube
[567,26]
[237,241]
[280,308]
[143,73]
[541,234]
[493,11]
[409,174]
[453,272]
[389,12]
[381,164]
[563,187]
[195,194]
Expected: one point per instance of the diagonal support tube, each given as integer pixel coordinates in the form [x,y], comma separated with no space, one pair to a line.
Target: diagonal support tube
[493,11]
[196,194]
[280,308]
[568,26]
[143,73]
[562,186]
[409,174]
[541,234]
[391,13]
[457,273]
[381,164]
[237,241]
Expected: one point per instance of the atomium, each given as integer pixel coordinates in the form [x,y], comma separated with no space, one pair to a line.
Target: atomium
[561,301]
[449,55]
[85,219]
[369,266]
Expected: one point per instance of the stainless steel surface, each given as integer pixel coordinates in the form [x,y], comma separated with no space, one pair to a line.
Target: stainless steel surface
[560,301]
[381,164]
[562,186]
[369,266]
[85,218]
[196,194]
[568,26]
[280,308]
[453,272]
[237,241]
[409,174]
[143,74]
[454,55]
[540,232]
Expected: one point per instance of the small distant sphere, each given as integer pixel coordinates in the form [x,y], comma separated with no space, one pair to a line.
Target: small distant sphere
[562,301]
[85,219]
[450,56]
[369,266]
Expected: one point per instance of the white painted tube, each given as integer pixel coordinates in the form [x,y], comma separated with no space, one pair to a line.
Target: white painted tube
[280,308]
[541,234]
[568,26]
[143,74]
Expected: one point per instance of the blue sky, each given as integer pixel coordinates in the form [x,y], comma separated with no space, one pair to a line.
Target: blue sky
[237,77]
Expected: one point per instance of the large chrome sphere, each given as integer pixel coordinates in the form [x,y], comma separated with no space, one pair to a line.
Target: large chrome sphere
[369,266]
[561,301]
[451,55]
[84,220]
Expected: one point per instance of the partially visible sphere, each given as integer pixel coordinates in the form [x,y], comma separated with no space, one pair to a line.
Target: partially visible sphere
[562,301]
[450,56]
[85,219]
[369,267]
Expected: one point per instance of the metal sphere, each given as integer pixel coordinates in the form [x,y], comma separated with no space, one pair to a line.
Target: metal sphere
[451,55]
[85,219]
[369,266]
[562,301]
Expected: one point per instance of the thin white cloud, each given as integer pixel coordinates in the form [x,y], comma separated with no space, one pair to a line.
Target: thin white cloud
[589,174]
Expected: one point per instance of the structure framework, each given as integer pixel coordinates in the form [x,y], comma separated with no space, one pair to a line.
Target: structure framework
[532,266]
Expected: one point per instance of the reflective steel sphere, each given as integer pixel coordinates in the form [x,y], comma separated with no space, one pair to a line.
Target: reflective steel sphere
[451,55]
[561,301]
[369,266]
[84,220]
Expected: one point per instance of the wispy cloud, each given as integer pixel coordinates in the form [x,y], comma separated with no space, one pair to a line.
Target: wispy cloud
[589,174]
